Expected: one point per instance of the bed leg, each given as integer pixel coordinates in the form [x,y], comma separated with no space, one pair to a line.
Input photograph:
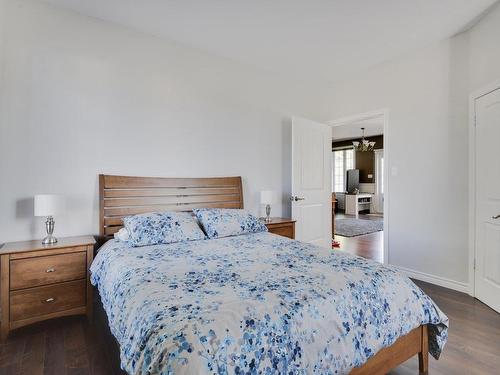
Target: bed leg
[423,355]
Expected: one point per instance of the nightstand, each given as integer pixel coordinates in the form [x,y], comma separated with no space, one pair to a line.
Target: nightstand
[39,282]
[281,226]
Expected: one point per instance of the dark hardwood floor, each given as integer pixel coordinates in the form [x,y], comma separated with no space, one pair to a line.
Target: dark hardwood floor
[369,246]
[64,346]
[473,346]
[72,346]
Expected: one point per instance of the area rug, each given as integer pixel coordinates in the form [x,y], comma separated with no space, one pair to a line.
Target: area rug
[356,227]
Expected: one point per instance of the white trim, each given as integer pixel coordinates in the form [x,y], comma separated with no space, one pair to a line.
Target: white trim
[436,280]
[472,179]
[472,195]
[340,148]
[384,112]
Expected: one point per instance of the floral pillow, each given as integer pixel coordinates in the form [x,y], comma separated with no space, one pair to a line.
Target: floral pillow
[162,228]
[224,222]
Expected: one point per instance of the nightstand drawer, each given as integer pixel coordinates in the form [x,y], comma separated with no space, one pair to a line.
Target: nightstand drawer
[281,226]
[285,231]
[30,272]
[29,303]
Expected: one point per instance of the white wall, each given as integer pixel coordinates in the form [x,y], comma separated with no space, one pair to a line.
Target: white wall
[81,97]
[426,93]
[484,44]
[367,187]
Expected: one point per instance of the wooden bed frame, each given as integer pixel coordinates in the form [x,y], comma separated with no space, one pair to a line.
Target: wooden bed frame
[120,196]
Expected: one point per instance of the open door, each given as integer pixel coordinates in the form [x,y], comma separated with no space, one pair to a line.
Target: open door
[311,181]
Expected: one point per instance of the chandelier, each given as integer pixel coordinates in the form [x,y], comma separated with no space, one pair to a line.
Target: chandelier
[364,145]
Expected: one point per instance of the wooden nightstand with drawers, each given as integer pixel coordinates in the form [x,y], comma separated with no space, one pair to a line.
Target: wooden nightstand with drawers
[39,282]
[281,226]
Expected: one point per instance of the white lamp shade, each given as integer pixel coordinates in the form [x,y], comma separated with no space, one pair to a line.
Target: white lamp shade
[48,204]
[267,197]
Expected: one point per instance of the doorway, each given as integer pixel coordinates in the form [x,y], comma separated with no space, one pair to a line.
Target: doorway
[360,184]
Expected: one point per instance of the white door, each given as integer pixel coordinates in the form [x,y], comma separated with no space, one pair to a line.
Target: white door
[487,187]
[311,181]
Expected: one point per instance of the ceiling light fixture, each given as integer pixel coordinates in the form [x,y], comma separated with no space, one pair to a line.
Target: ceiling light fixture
[364,145]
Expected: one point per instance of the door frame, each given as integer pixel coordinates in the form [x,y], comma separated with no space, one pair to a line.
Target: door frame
[472,180]
[384,113]
[377,161]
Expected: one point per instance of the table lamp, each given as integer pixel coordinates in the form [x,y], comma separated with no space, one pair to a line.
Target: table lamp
[48,205]
[268,197]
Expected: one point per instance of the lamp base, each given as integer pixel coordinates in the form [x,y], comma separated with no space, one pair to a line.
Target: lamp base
[49,226]
[268,213]
[49,240]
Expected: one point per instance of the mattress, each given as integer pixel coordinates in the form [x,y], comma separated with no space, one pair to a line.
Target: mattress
[255,304]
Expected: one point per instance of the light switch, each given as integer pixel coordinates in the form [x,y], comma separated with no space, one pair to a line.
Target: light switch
[370,176]
[394,171]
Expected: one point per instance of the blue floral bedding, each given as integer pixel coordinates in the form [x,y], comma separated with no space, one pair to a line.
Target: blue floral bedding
[161,228]
[255,304]
[225,222]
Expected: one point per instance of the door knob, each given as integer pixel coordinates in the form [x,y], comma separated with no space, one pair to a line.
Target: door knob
[295,198]
[496,217]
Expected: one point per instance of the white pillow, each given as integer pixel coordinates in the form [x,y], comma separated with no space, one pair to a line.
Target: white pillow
[122,235]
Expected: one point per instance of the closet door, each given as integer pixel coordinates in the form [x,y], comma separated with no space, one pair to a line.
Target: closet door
[487,199]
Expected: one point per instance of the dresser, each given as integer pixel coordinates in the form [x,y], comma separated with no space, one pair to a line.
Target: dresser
[281,226]
[39,282]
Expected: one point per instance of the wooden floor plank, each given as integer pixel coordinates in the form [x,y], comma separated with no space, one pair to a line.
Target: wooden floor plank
[33,356]
[75,348]
[99,363]
[11,369]
[54,346]
[11,352]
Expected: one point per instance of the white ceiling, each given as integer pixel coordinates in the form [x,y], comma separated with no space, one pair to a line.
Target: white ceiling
[373,126]
[324,39]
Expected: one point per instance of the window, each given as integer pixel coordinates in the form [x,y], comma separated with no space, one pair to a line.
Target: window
[382,175]
[342,161]
[379,171]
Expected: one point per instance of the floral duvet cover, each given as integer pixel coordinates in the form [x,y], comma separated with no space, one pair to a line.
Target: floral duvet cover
[255,304]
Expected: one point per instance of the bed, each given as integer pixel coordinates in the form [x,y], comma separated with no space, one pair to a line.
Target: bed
[254,303]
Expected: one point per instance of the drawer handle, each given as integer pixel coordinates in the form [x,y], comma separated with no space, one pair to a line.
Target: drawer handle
[50,300]
[49,270]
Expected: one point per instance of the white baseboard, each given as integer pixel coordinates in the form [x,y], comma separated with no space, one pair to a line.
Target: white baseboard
[436,280]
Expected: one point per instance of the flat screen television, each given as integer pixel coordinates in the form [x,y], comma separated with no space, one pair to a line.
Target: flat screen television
[352,180]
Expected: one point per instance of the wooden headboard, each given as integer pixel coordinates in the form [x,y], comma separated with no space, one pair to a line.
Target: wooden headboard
[120,196]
